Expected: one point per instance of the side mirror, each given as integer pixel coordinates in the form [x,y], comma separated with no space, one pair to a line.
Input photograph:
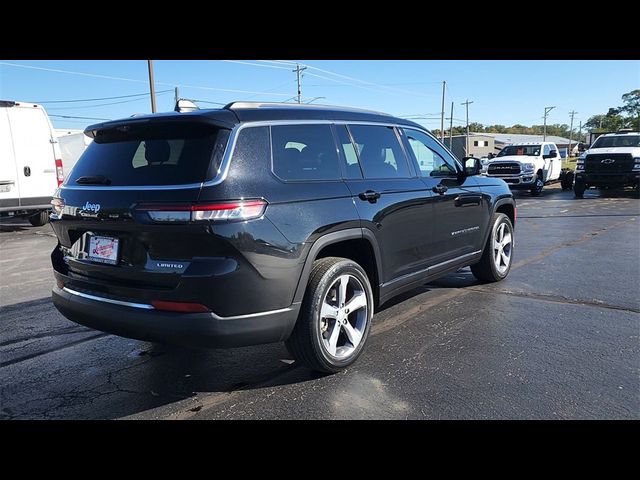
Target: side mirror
[551,154]
[472,166]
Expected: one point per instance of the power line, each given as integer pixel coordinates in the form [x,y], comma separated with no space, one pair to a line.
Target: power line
[104,104]
[173,84]
[83,118]
[98,99]
[254,64]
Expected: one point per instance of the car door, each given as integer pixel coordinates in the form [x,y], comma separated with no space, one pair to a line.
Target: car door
[391,200]
[555,163]
[458,210]
[34,153]
[9,188]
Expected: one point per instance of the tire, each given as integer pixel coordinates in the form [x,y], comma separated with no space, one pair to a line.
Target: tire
[537,189]
[578,189]
[312,338]
[566,179]
[488,269]
[39,219]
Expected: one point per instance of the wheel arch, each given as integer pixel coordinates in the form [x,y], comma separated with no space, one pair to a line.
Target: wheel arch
[357,244]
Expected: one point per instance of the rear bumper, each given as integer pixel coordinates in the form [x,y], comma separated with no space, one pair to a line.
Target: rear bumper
[193,329]
[603,179]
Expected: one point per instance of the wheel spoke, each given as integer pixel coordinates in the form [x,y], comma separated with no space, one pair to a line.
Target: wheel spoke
[358,301]
[496,257]
[333,338]
[506,240]
[328,311]
[342,289]
[353,335]
[505,259]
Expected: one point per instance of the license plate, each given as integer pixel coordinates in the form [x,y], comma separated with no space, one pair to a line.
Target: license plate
[103,249]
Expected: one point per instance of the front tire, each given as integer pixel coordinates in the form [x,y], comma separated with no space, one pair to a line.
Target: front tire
[536,190]
[335,318]
[497,256]
[39,219]
[578,189]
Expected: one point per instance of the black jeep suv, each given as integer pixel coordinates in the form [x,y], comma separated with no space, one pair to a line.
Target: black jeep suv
[260,223]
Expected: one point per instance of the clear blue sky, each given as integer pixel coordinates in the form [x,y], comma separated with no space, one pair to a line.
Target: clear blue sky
[504,91]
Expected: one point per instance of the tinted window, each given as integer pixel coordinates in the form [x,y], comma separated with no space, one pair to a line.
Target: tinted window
[153,155]
[379,151]
[529,150]
[304,152]
[348,152]
[619,141]
[430,163]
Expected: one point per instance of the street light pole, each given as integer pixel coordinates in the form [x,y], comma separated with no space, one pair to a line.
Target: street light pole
[152,88]
[298,71]
[546,113]
[451,129]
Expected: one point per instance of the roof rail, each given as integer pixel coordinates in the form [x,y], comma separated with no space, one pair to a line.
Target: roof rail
[246,105]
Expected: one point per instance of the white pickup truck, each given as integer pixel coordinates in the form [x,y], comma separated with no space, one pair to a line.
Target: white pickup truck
[526,166]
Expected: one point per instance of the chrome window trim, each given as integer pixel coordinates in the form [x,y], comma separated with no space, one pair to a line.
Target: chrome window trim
[146,306]
[223,171]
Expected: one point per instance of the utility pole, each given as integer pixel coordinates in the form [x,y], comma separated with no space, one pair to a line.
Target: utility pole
[466,150]
[580,133]
[177,94]
[572,113]
[546,113]
[451,129]
[152,88]
[444,86]
[298,72]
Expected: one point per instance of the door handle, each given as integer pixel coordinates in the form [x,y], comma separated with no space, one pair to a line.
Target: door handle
[7,182]
[440,189]
[467,200]
[27,171]
[370,196]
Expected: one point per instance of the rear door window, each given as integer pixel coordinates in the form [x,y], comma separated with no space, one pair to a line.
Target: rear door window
[167,154]
[380,153]
[304,152]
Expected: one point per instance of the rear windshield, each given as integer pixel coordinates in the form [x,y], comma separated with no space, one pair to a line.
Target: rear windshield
[169,154]
[529,150]
[620,141]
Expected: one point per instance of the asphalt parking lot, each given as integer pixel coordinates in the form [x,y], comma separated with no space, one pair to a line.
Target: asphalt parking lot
[558,339]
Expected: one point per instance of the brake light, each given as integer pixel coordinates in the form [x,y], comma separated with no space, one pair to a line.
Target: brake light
[182,307]
[59,172]
[223,211]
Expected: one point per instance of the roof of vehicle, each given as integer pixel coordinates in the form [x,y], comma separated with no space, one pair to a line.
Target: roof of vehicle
[12,103]
[618,134]
[239,112]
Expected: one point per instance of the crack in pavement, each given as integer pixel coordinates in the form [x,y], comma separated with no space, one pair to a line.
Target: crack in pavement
[50,350]
[555,299]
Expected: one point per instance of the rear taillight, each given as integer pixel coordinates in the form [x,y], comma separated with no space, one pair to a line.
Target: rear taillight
[59,172]
[217,212]
[57,205]
[182,307]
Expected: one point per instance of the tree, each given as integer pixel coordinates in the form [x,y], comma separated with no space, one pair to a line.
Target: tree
[631,106]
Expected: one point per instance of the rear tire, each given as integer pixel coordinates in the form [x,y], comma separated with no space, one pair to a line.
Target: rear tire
[329,335]
[39,219]
[497,256]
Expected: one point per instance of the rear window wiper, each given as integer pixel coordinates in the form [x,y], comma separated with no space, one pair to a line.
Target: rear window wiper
[93,180]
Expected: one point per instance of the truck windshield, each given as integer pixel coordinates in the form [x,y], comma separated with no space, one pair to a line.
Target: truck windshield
[529,150]
[619,141]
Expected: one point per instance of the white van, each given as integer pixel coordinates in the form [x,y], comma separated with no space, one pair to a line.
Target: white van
[30,162]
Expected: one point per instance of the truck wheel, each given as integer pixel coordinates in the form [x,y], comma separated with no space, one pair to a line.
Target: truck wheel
[578,189]
[536,190]
[39,219]
[335,317]
[498,252]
